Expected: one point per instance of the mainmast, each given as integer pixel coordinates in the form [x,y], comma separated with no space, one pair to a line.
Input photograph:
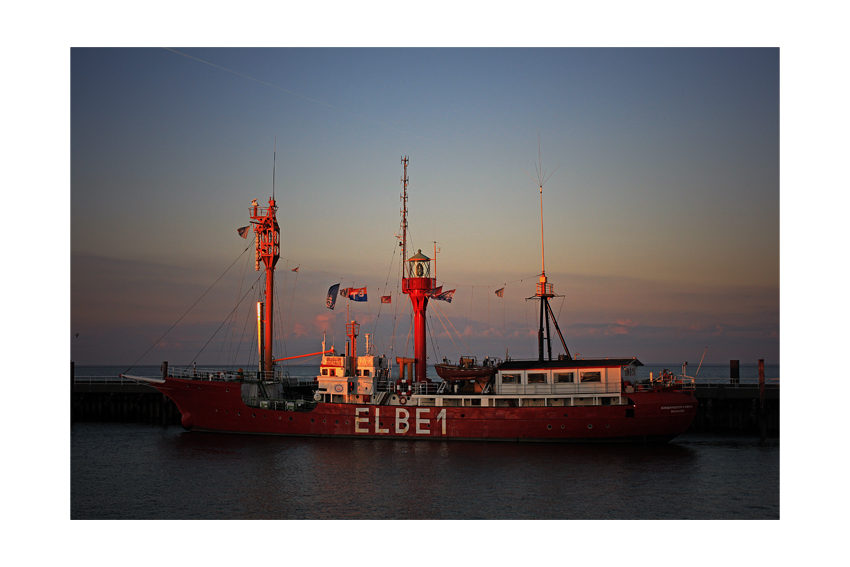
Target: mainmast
[416,281]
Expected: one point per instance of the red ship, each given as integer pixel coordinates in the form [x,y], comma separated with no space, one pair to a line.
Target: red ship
[559,399]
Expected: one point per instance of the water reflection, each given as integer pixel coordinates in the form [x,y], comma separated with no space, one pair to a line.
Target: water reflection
[137,471]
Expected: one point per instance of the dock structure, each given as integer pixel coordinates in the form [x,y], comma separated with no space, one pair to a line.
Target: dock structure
[121,401]
[737,408]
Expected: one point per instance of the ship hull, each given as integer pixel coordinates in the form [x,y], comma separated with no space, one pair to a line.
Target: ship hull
[215,406]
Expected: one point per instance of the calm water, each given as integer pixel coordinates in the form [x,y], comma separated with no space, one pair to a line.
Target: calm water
[134,471]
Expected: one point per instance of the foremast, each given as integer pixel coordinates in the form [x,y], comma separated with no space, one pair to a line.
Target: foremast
[267,240]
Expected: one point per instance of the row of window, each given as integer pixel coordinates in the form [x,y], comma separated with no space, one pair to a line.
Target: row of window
[332,372]
[560,377]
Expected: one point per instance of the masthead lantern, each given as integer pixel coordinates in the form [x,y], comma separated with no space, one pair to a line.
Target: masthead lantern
[419,266]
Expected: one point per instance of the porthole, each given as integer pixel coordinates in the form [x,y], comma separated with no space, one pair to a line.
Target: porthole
[239,413]
[337,422]
[566,414]
[549,426]
[324,421]
[312,420]
[227,389]
[290,419]
[590,426]
[253,415]
[607,425]
[562,426]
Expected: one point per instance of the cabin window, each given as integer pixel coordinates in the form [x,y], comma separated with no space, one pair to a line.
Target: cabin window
[333,372]
[591,376]
[359,372]
[365,373]
[324,371]
[510,379]
[565,377]
[536,378]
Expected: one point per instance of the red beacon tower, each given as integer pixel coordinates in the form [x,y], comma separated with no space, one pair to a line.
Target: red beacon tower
[267,239]
[418,285]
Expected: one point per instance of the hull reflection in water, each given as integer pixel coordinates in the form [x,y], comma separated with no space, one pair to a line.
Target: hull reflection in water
[131,471]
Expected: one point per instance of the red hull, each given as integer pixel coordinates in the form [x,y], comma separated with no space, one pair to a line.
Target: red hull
[218,406]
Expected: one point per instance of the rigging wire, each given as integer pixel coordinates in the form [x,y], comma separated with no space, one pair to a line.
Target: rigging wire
[248,318]
[460,353]
[434,347]
[291,305]
[281,336]
[187,311]
[453,327]
[225,320]
[232,358]
[386,283]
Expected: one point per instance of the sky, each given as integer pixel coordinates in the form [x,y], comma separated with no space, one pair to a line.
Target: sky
[660,202]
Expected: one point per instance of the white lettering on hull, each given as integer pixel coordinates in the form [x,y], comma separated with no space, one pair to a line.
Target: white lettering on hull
[677,409]
[399,421]
[402,421]
[378,422]
[358,420]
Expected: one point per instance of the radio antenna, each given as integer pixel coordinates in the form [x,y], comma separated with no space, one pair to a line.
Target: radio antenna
[540,182]
[274,163]
[545,290]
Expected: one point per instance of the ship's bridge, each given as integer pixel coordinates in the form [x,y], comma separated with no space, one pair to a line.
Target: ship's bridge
[592,377]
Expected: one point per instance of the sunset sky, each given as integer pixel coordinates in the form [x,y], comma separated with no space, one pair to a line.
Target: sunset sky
[661,221]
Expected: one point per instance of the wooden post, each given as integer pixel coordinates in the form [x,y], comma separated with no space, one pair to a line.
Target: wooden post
[762,420]
[72,392]
[734,373]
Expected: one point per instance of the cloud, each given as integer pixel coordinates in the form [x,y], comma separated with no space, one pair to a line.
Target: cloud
[324,322]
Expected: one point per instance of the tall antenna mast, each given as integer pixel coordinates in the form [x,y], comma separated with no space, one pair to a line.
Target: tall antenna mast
[274,163]
[545,290]
[404,180]
[540,181]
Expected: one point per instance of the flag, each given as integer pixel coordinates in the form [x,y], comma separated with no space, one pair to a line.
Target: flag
[386,299]
[243,232]
[357,294]
[295,269]
[344,292]
[435,291]
[331,301]
[500,292]
[445,296]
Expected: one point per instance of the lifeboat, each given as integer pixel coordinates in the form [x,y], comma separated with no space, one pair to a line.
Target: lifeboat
[466,369]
